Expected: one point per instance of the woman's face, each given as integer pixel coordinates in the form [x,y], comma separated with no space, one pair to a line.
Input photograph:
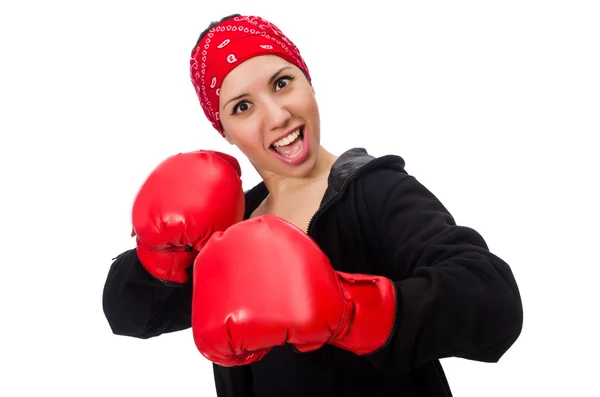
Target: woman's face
[269,111]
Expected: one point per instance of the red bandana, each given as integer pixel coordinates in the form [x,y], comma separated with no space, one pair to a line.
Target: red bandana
[227,45]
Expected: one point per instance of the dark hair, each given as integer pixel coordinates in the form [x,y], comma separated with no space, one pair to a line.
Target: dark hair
[213,24]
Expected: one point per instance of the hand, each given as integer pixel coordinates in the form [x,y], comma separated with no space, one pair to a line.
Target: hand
[264,283]
[184,200]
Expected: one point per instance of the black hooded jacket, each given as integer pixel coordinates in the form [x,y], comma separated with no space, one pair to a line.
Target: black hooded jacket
[454,297]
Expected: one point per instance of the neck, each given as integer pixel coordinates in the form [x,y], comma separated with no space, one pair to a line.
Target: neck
[278,184]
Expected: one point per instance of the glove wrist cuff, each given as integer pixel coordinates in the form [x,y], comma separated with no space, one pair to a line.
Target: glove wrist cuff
[169,266]
[371,313]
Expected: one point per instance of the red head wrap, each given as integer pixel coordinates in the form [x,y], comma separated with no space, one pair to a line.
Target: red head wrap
[227,45]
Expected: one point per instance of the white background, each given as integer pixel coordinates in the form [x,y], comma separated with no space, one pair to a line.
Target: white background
[493,105]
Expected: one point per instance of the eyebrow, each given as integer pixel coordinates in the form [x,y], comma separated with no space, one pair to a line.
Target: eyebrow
[271,79]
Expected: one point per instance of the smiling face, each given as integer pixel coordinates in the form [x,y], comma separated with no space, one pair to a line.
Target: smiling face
[269,111]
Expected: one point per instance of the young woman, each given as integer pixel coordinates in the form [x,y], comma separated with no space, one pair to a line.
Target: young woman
[335,276]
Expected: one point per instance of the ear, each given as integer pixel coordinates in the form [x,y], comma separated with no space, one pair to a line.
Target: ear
[228,137]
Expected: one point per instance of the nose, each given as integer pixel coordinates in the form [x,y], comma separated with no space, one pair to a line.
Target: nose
[276,113]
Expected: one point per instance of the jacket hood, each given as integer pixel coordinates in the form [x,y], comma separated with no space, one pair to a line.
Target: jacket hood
[347,166]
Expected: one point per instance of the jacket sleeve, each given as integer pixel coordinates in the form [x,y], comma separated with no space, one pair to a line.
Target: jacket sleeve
[454,297]
[138,305]
[233,381]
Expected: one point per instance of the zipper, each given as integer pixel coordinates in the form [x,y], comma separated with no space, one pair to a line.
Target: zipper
[318,212]
[327,202]
[323,207]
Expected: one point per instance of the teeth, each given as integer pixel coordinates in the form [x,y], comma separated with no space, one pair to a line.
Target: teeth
[288,139]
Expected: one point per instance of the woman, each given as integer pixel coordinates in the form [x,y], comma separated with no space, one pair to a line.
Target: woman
[357,280]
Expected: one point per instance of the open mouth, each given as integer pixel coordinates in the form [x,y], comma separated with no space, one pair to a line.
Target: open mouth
[291,145]
[293,148]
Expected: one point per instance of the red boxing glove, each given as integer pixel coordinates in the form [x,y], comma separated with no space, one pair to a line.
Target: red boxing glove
[187,198]
[264,283]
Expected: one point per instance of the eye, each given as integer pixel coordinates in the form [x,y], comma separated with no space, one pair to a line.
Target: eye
[283,82]
[241,107]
